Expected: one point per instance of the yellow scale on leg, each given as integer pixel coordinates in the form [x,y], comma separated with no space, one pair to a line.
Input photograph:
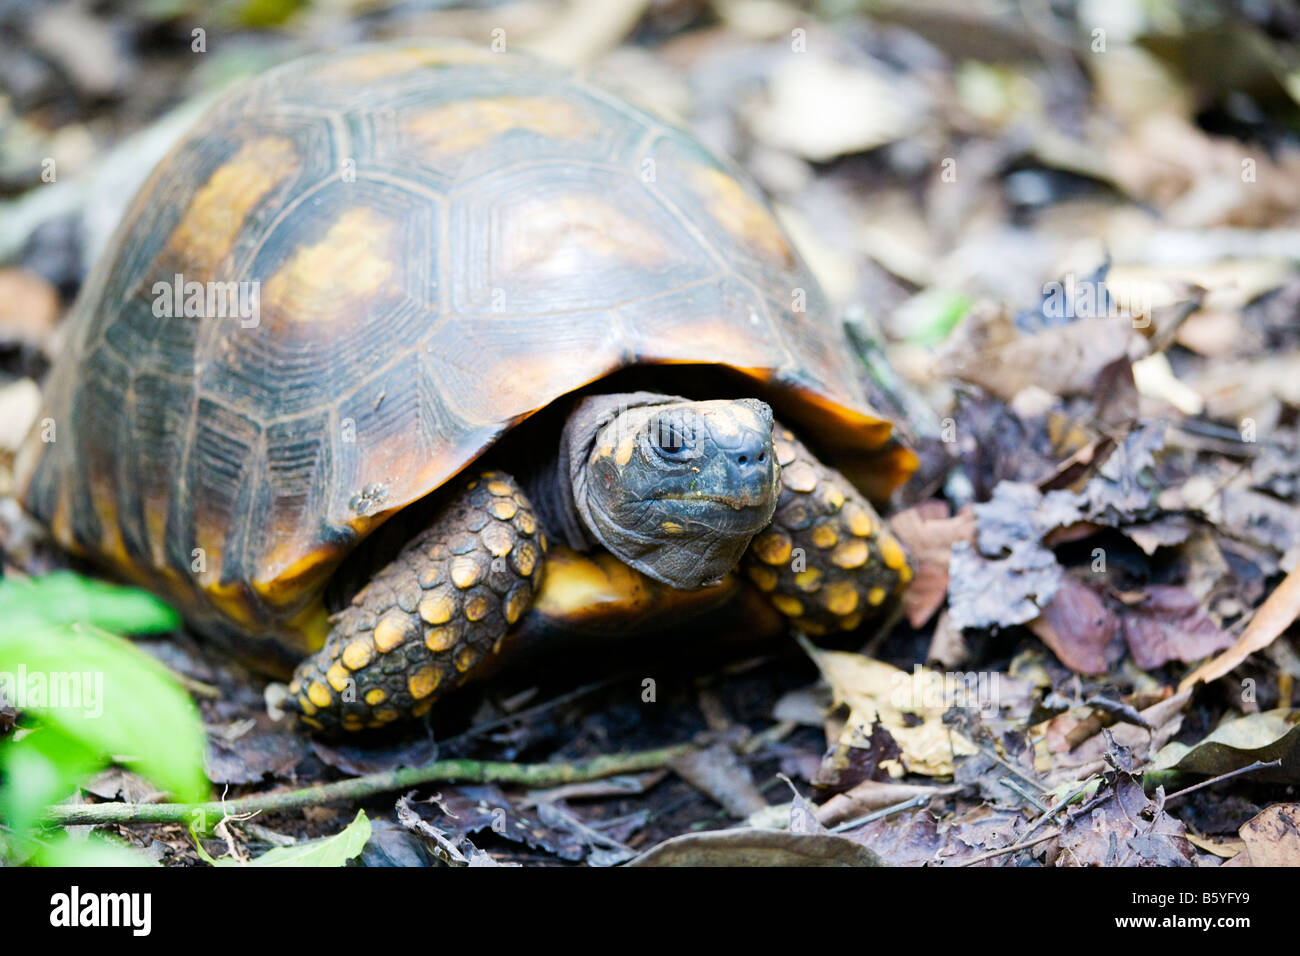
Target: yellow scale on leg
[826,561]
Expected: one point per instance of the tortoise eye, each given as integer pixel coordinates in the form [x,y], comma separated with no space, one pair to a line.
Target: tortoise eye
[671,439]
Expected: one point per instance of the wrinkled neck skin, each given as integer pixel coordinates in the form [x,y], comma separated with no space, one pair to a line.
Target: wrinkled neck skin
[672,487]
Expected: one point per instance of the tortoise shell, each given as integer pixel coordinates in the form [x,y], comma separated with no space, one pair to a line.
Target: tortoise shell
[439,242]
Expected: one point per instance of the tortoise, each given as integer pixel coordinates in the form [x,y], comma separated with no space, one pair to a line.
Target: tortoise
[488,309]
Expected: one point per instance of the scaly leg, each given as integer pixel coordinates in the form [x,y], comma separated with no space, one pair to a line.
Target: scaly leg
[826,561]
[426,620]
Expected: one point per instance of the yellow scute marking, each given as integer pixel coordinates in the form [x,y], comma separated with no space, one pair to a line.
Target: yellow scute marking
[468,124]
[332,279]
[563,236]
[374,66]
[218,210]
[742,215]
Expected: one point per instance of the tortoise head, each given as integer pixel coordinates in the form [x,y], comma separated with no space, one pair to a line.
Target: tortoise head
[676,490]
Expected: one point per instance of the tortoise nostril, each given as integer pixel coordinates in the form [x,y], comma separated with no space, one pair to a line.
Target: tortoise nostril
[742,459]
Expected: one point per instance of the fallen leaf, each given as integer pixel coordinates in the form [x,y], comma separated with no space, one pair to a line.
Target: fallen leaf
[1007,576]
[928,534]
[988,350]
[1225,850]
[758,848]
[718,772]
[377,756]
[1171,625]
[1059,761]
[472,809]
[910,838]
[872,795]
[819,108]
[1257,518]
[333,850]
[979,830]
[910,706]
[252,756]
[1079,628]
[1125,829]
[999,592]
[394,845]
[1267,736]
[1125,487]
[1273,837]
[1274,616]
[865,759]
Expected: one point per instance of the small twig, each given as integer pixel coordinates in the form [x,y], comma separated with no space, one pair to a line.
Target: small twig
[1012,767]
[919,800]
[1026,844]
[1024,794]
[1053,811]
[1120,711]
[411,820]
[464,771]
[1015,848]
[1257,765]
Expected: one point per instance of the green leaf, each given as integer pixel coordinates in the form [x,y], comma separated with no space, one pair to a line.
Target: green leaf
[333,850]
[268,13]
[109,695]
[40,769]
[1268,736]
[66,598]
[95,851]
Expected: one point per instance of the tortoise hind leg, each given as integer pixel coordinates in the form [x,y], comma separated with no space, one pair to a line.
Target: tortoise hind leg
[426,621]
[826,560]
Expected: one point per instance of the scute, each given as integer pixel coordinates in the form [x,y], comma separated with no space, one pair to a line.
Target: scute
[443,241]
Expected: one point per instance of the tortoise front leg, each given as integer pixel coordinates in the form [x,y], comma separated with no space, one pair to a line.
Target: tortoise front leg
[427,620]
[826,560]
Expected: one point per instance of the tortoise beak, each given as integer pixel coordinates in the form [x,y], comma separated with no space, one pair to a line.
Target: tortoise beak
[742,432]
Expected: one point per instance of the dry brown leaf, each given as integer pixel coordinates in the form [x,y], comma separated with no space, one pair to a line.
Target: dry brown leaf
[1078,627]
[744,847]
[1272,837]
[874,795]
[1197,179]
[819,108]
[1273,617]
[1054,757]
[1126,829]
[990,351]
[718,772]
[928,534]
[1225,849]
[29,308]
[1171,625]
[20,403]
[948,646]
[878,692]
